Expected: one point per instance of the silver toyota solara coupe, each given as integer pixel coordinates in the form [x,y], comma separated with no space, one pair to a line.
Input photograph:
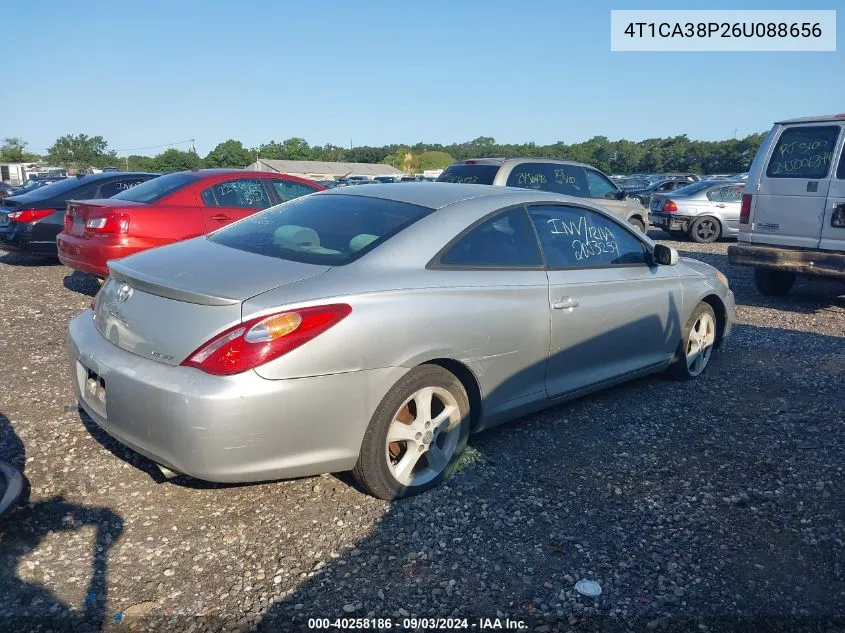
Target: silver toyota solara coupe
[373,328]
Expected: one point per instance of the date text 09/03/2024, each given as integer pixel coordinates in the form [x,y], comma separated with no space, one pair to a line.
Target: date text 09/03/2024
[416,623]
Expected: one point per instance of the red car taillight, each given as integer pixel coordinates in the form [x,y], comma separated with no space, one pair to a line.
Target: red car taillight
[745,208]
[30,215]
[263,339]
[670,207]
[109,222]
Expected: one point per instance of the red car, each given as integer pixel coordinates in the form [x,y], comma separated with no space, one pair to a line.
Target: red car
[168,209]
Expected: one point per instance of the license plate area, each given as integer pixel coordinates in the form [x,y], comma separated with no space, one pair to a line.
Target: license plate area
[78,225]
[92,386]
[4,219]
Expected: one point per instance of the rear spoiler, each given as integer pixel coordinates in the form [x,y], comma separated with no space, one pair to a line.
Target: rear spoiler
[164,288]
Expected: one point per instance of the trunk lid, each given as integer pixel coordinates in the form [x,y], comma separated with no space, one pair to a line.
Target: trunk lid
[164,303]
[78,212]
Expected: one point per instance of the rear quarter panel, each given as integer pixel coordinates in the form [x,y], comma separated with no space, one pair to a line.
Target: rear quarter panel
[163,224]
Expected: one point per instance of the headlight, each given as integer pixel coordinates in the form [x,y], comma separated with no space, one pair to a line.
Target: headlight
[721,277]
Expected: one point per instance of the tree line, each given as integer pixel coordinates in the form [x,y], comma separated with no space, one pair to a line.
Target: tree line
[676,153]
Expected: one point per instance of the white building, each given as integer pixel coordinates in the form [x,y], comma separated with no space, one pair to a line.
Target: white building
[320,170]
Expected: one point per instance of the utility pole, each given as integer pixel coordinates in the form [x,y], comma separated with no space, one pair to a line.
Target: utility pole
[193,146]
[127,162]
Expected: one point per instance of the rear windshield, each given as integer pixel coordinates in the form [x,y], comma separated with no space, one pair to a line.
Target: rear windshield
[469,174]
[155,189]
[324,229]
[61,187]
[803,152]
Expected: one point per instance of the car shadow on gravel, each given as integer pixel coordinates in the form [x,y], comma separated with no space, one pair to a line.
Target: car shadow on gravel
[707,505]
[28,259]
[82,283]
[28,604]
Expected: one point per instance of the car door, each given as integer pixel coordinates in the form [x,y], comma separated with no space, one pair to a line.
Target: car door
[232,199]
[496,267]
[605,193]
[614,314]
[726,202]
[791,196]
[833,231]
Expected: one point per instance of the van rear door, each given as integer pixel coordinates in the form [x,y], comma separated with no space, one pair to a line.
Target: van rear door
[790,201]
[833,231]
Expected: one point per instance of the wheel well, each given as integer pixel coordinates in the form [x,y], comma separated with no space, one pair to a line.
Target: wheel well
[721,316]
[636,216]
[468,380]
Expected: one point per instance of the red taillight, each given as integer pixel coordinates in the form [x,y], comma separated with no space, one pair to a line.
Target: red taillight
[670,207]
[745,209]
[263,339]
[109,222]
[30,215]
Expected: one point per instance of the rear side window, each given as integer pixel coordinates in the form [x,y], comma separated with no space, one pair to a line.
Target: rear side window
[243,193]
[157,188]
[469,174]
[326,229]
[803,152]
[114,187]
[567,179]
[726,194]
[840,173]
[289,189]
[506,241]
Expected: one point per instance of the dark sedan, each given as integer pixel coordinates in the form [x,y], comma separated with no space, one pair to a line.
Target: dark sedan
[30,222]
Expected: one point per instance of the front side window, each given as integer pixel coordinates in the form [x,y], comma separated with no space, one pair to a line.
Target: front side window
[556,177]
[505,241]
[243,193]
[325,229]
[572,237]
[803,152]
[290,189]
[600,187]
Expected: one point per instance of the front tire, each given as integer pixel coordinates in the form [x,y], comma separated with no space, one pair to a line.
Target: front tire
[705,230]
[696,346]
[416,435]
[773,283]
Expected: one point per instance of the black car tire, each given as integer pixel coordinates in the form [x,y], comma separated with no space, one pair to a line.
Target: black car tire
[637,224]
[773,283]
[705,230]
[372,470]
[679,369]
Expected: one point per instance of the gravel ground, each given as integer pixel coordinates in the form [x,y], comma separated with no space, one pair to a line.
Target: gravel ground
[711,505]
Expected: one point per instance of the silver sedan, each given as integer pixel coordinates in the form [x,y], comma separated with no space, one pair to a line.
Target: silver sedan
[373,328]
[704,211]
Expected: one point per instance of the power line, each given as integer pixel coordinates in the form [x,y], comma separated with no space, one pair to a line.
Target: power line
[137,149]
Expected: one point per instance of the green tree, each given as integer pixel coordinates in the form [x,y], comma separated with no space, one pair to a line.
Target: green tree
[81,151]
[229,153]
[435,160]
[175,160]
[138,163]
[13,150]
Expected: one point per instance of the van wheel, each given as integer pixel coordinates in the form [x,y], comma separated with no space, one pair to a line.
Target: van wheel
[697,340]
[637,224]
[416,434]
[773,283]
[705,230]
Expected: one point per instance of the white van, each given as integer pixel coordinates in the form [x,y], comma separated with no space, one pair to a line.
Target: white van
[792,218]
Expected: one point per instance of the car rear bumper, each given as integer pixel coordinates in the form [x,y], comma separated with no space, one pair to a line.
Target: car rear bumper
[669,221]
[225,428]
[797,260]
[17,236]
[91,255]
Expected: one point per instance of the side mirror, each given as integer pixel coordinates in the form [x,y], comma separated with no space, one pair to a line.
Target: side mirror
[620,195]
[665,255]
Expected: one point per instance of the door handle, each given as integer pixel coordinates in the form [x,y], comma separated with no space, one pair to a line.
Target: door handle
[220,217]
[720,205]
[565,303]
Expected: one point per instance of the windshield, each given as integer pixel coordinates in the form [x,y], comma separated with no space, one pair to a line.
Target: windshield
[157,188]
[469,174]
[326,229]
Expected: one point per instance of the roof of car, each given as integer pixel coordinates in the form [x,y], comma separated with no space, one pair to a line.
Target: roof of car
[813,119]
[434,195]
[502,161]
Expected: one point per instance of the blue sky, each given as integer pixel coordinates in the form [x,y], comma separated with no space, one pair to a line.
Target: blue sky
[153,72]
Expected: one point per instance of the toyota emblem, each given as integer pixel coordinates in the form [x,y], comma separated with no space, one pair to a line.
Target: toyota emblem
[124,292]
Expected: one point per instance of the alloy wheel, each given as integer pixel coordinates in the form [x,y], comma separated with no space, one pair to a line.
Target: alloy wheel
[702,336]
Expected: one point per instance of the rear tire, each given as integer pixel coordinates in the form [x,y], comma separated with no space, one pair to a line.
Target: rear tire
[637,224]
[773,283]
[696,345]
[416,435]
[705,230]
